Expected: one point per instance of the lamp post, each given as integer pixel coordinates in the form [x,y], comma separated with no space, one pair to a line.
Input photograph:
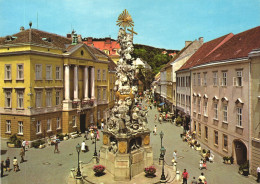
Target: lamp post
[161,156]
[95,135]
[163,179]
[78,150]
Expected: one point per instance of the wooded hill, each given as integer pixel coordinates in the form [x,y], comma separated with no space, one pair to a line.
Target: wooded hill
[153,56]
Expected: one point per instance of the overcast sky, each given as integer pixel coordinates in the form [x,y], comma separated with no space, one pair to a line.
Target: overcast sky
[159,23]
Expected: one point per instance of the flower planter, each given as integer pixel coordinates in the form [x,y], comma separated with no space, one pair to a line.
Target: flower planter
[245,172]
[41,146]
[10,145]
[65,138]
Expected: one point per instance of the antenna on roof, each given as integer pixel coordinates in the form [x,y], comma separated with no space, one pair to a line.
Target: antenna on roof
[37,20]
[30,24]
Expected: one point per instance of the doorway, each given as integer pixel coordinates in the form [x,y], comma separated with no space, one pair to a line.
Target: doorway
[82,123]
[240,152]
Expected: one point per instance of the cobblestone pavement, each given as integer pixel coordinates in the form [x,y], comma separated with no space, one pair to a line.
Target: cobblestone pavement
[45,167]
[188,158]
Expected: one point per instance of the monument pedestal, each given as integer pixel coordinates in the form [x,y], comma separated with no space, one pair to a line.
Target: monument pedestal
[128,158]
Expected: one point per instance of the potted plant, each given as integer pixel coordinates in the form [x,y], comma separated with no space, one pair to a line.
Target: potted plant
[150,171]
[244,168]
[99,170]
[225,159]
[14,141]
[231,160]
[66,137]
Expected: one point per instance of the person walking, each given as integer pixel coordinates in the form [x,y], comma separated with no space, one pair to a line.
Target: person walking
[155,118]
[154,130]
[193,181]
[185,176]
[56,149]
[202,177]
[201,164]
[83,146]
[7,164]
[23,145]
[204,165]
[175,156]
[15,164]
[98,137]
[22,154]
[2,168]
[258,174]
[102,124]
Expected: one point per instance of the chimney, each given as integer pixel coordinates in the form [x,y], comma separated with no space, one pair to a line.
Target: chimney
[108,40]
[68,35]
[201,40]
[89,40]
[21,29]
[187,43]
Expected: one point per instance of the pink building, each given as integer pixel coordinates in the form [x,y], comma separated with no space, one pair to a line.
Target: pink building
[220,89]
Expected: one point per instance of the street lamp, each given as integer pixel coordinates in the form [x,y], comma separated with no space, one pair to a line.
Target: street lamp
[161,136]
[95,136]
[163,179]
[78,150]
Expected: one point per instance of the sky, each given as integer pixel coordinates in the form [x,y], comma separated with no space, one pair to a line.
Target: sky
[159,23]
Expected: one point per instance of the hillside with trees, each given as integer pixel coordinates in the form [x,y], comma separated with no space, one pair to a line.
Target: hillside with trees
[153,56]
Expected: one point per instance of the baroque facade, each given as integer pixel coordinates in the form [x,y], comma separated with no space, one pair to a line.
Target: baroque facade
[51,84]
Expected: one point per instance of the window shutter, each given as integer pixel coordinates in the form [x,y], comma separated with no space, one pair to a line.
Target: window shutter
[234,81]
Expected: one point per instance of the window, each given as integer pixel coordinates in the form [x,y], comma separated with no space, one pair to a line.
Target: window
[194,79]
[239,116]
[225,113]
[38,72]
[215,78]
[57,101]
[199,81]
[204,79]
[58,123]
[48,125]
[98,115]
[216,137]
[8,72]
[8,126]
[48,72]
[20,127]
[104,94]
[237,81]
[48,98]
[206,132]
[225,142]
[58,73]
[20,71]
[215,110]
[98,75]
[199,111]
[20,99]
[74,121]
[224,79]
[104,75]
[8,99]
[199,129]
[205,108]
[194,104]
[98,94]
[38,99]
[38,127]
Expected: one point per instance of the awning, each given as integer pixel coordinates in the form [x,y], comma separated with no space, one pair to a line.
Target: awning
[161,104]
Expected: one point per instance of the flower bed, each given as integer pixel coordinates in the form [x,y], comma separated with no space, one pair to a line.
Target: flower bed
[150,171]
[99,170]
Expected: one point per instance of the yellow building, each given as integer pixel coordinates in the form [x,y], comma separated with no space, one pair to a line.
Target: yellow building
[51,84]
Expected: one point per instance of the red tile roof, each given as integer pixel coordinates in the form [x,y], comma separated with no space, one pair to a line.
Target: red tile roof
[237,47]
[205,50]
[104,44]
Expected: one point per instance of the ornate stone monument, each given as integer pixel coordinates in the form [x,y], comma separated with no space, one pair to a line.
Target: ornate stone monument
[126,149]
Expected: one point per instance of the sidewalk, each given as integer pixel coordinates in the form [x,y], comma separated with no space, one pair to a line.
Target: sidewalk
[90,178]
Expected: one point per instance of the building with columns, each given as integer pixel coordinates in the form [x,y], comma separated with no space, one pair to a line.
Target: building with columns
[52,84]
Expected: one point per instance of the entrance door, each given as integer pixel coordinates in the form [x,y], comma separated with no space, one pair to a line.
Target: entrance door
[82,123]
[241,152]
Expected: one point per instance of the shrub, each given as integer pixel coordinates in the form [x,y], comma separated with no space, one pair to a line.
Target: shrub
[150,170]
[15,140]
[244,166]
[99,168]
[178,120]
[37,143]
[60,136]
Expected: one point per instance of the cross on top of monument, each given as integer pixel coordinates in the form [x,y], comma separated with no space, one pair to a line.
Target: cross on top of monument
[132,31]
